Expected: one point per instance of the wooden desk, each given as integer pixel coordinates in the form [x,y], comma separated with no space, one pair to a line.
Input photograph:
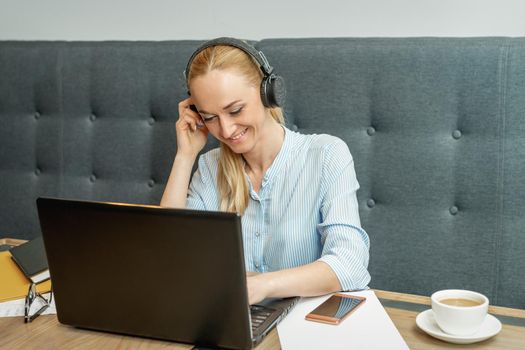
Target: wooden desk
[403,309]
[46,333]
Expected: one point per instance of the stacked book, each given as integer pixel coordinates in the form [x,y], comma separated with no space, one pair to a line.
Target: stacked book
[22,265]
[31,259]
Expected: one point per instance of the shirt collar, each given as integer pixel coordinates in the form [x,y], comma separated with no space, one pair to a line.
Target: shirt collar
[281,158]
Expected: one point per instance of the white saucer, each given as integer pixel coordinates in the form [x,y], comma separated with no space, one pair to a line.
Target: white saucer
[490,327]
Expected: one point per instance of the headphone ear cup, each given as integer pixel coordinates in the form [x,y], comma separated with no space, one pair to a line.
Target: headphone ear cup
[273,91]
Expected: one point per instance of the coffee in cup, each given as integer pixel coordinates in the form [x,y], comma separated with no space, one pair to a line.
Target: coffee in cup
[458,311]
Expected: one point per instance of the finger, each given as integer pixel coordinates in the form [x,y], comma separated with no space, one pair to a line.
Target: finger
[196,117]
[188,111]
[184,123]
[184,107]
[185,103]
[191,122]
[200,123]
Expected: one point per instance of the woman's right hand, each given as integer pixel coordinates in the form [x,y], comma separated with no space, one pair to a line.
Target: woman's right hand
[191,131]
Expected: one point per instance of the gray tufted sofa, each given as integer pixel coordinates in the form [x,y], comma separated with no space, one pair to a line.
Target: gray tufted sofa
[436,128]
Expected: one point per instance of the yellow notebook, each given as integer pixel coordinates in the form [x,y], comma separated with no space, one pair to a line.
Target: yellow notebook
[13,283]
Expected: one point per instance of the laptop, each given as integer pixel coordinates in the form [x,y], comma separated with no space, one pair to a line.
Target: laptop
[172,274]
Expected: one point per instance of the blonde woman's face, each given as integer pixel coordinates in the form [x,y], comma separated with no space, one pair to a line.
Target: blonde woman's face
[231,109]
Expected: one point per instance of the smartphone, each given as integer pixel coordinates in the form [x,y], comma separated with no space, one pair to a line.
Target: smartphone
[335,309]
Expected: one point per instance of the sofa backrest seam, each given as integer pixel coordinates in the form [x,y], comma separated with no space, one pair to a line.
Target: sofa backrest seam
[503,79]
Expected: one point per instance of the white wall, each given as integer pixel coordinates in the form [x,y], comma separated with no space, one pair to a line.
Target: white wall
[202,19]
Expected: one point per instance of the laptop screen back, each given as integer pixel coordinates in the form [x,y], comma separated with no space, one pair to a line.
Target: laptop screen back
[148,271]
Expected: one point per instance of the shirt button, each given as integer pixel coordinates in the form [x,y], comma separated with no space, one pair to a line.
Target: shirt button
[257,266]
[257,234]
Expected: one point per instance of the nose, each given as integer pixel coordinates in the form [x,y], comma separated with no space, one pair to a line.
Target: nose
[227,127]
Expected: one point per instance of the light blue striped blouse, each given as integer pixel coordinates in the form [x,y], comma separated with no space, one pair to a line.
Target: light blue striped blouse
[306,209]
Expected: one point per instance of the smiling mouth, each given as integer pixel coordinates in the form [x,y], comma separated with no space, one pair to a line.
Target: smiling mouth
[236,137]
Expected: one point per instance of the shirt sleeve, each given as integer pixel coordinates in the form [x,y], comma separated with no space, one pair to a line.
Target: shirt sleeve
[345,244]
[198,187]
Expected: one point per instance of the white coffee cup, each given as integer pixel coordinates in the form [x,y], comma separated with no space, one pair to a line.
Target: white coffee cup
[458,311]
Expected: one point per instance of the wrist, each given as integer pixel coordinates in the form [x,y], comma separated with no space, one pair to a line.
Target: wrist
[268,284]
[185,159]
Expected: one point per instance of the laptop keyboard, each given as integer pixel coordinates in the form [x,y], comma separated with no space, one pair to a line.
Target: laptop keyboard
[259,314]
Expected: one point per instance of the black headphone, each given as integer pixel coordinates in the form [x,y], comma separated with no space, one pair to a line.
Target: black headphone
[273,90]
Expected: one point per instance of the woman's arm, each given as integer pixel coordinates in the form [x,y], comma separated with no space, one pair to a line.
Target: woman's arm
[343,262]
[191,138]
[313,279]
[176,189]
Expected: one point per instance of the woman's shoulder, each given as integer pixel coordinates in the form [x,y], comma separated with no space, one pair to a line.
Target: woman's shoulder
[209,160]
[319,142]
[212,155]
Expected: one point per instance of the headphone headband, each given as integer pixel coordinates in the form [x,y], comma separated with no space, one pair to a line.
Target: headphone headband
[241,45]
[272,90]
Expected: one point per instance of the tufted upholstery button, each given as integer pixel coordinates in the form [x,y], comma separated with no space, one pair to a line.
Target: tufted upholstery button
[151,183]
[92,178]
[371,203]
[92,117]
[38,171]
[370,130]
[37,115]
[295,127]
[456,134]
[453,210]
[151,120]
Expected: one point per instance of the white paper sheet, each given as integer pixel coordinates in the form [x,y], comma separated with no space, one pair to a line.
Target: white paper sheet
[369,327]
[14,308]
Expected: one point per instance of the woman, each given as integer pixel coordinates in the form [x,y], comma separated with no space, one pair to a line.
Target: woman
[296,193]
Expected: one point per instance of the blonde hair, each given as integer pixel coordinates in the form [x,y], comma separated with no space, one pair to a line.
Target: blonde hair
[231,178]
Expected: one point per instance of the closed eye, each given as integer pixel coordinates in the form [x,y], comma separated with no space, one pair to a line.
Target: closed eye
[209,119]
[237,111]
